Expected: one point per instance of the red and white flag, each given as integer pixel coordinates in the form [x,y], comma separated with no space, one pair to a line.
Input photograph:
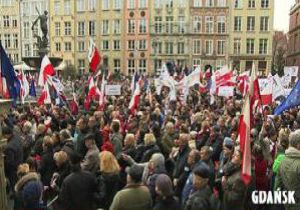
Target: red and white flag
[243,82]
[265,88]
[135,97]
[94,57]
[45,96]
[46,70]
[102,91]
[24,90]
[74,105]
[255,97]
[91,94]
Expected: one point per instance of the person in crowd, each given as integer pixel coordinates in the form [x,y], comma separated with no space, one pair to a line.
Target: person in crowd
[135,195]
[168,139]
[288,173]
[39,138]
[66,142]
[94,128]
[148,149]
[27,139]
[108,179]
[165,194]
[206,157]
[116,139]
[91,159]
[78,190]
[62,169]
[216,142]
[81,132]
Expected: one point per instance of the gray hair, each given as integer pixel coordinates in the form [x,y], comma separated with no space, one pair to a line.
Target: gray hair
[294,138]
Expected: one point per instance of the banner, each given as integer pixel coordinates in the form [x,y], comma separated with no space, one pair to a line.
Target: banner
[291,71]
[278,89]
[226,91]
[113,90]
[285,81]
[265,87]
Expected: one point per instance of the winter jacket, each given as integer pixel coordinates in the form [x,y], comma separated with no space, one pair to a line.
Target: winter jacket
[132,197]
[152,179]
[200,200]
[47,167]
[117,142]
[167,143]
[169,203]
[288,175]
[91,160]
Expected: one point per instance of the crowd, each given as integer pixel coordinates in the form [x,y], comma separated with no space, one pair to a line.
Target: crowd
[168,155]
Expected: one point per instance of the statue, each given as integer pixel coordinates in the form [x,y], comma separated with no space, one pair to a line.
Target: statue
[42,42]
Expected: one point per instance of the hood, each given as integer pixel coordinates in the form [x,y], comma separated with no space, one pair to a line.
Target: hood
[292,152]
[28,177]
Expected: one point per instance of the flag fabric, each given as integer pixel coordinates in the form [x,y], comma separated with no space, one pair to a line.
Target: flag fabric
[46,70]
[134,101]
[265,88]
[94,57]
[277,89]
[243,82]
[291,101]
[32,91]
[135,78]
[255,97]
[102,91]
[58,87]
[45,96]
[74,105]
[24,86]
[223,75]
[8,72]
[5,91]
[91,93]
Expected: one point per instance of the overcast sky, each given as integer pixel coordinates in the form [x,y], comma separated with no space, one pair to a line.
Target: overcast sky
[281,16]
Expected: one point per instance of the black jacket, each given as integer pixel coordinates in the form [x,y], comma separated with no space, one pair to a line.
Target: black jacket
[200,200]
[144,153]
[169,203]
[78,191]
[47,167]
[97,136]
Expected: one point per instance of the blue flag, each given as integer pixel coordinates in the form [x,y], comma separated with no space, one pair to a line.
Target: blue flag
[291,101]
[8,72]
[32,91]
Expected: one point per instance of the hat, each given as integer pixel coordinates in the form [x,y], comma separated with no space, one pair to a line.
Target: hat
[228,142]
[202,170]
[135,172]
[164,184]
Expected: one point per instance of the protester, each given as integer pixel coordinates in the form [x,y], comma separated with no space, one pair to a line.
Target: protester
[91,159]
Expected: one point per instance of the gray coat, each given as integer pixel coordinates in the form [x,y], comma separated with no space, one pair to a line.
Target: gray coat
[91,160]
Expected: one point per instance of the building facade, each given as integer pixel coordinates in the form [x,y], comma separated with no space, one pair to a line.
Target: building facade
[209,32]
[29,13]
[251,34]
[293,54]
[10,30]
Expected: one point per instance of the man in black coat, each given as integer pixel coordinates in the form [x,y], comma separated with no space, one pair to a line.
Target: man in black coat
[78,189]
[94,128]
[13,154]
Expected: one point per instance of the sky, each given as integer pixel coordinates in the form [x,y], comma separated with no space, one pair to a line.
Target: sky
[281,16]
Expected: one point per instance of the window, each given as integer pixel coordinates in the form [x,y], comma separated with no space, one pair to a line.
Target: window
[157,64]
[57,7]
[81,65]
[143,4]
[221,47]
[116,26]
[220,64]
[68,46]
[15,23]
[237,23]
[157,46]
[263,46]
[209,24]
[92,5]
[157,25]
[27,50]
[16,58]
[142,65]
[6,41]
[57,28]
[67,28]
[117,4]
[26,30]
[57,47]
[222,3]
[197,24]
[92,28]
[116,45]
[197,46]
[169,47]
[6,2]
[238,4]
[158,4]
[180,48]
[251,3]
[130,4]
[209,3]
[117,65]
[169,24]
[209,47]
[105,4]
[67,7]
[105,45]
[131,65]
[250,46]
[264,23]
[81,29]
[181,3]
[143,26]
[181,24]
[264,3]
[237,46]
[250,23]
[197,3]
[81,46]
[221,24]
[105,27]
[15,41]
[169,3]
[131,26]
[131,44]
[6,21]
[142,44]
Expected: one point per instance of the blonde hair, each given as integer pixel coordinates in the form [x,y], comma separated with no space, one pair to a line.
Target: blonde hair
[149,139]
[23,169]
[130,138]
[108,163]
[60,157]
[48,142]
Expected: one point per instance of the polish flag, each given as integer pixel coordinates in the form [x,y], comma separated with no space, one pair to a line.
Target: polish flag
[135,98]
[255,96]
[5,91]
[24,90]
[94,57]
[223,75]
[102,91]
[45,96]
[91,94]
[265,86]
[46,70]
[243,82]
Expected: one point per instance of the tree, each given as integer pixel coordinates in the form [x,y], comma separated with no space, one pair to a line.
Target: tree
[279,53]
